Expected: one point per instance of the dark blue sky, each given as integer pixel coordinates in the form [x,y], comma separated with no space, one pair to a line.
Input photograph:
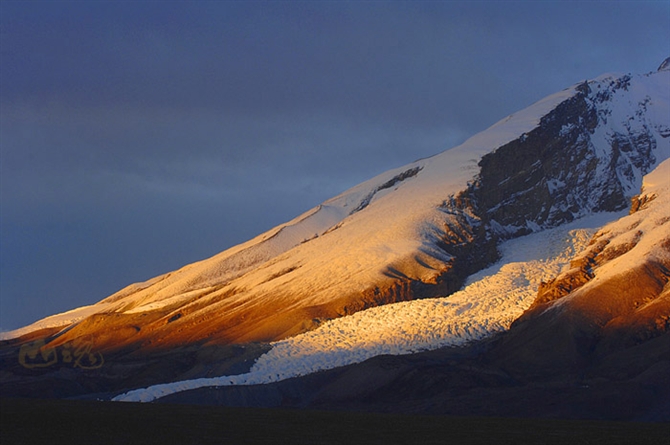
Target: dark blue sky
[137,137]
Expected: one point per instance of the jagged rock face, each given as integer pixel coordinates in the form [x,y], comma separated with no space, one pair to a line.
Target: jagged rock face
[562,170]
[640,202]
[514,188]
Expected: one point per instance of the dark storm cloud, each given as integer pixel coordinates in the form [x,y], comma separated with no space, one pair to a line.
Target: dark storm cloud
[140,136]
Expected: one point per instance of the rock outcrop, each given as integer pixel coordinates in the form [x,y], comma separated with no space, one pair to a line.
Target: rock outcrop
[615,296]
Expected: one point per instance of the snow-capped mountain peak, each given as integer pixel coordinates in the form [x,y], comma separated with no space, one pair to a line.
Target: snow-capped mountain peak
[413,232]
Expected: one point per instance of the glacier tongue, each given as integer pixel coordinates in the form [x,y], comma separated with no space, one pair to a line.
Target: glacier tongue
[491,301]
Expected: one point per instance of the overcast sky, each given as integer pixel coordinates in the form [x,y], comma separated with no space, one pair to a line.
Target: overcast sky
[137,137]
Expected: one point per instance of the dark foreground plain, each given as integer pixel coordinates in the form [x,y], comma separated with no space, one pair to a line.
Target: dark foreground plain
[53,421]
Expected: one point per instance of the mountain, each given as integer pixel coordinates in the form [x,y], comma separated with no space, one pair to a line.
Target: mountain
[594,341]
[506,229]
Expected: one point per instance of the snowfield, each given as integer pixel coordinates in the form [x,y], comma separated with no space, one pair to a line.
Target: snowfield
[489,303]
